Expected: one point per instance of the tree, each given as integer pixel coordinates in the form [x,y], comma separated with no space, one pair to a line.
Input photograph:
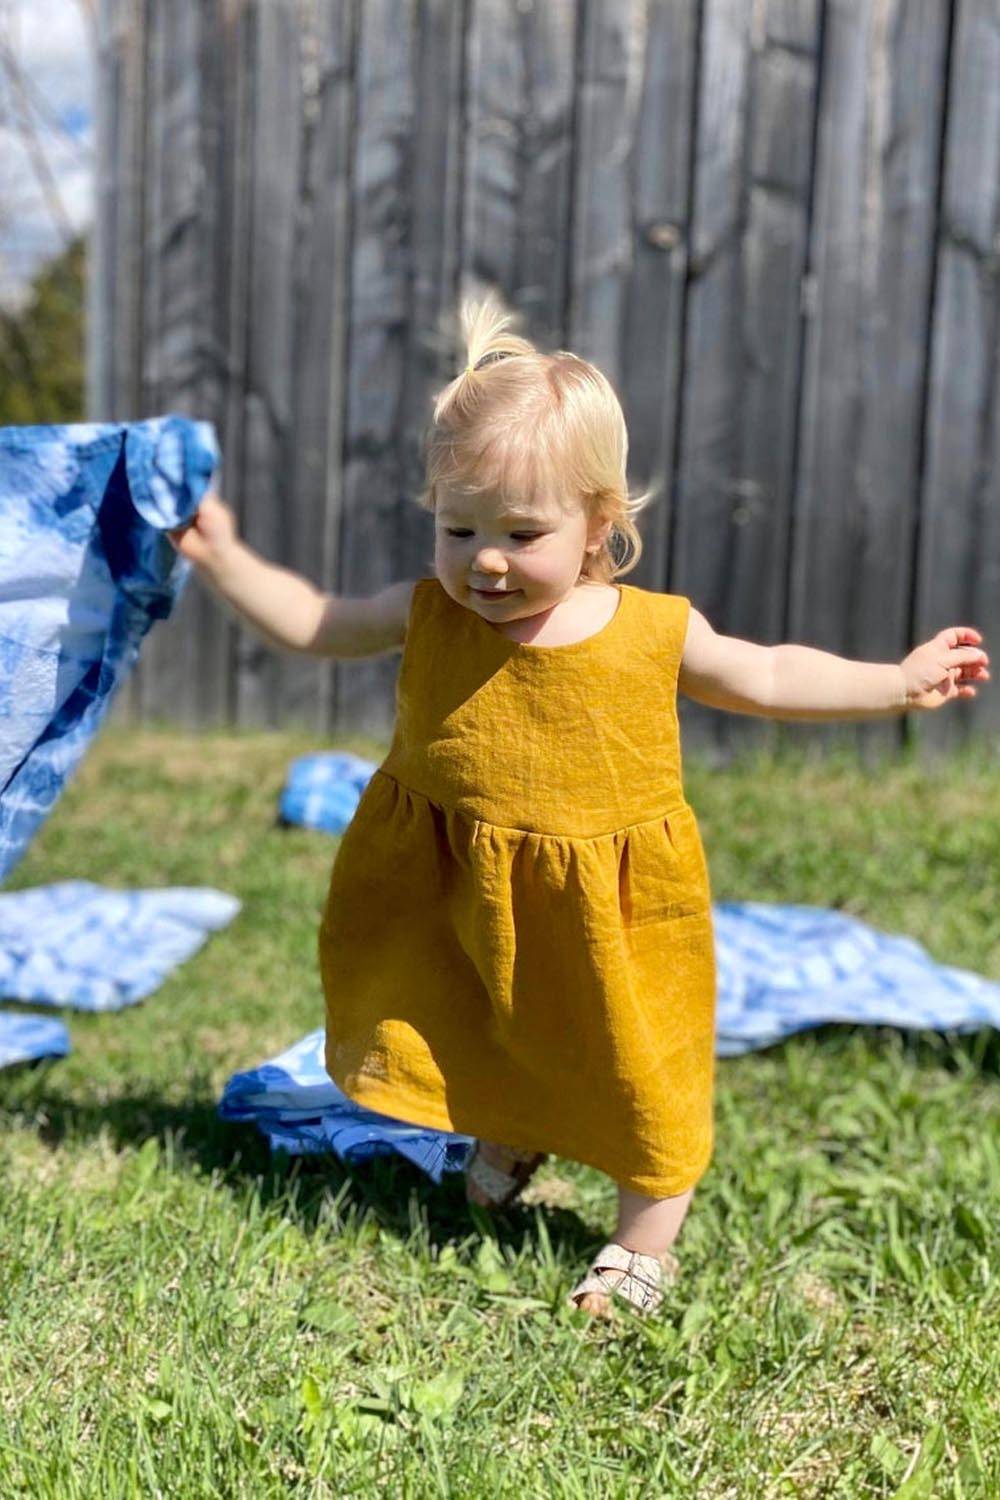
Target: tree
[42,372]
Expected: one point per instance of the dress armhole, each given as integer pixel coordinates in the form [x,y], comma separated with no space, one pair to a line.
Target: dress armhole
[678,621]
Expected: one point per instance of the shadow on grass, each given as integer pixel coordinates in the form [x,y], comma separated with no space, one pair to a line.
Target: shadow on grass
[236,1156]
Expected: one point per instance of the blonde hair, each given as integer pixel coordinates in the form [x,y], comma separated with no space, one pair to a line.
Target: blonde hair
[518,422]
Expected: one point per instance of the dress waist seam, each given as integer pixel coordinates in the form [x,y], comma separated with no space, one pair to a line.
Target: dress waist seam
[677,807]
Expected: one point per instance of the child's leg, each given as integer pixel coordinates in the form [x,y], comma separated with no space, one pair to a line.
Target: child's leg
[650,1225]
[647,1225]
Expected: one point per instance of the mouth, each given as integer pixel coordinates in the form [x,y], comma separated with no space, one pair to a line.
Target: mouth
[494,593]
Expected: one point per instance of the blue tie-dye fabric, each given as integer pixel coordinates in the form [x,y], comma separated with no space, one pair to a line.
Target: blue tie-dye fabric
[322,791]
[26,1038]
[85,570]
[82,945]
[781,969]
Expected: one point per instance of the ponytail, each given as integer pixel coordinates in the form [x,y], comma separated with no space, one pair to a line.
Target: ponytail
[484,324]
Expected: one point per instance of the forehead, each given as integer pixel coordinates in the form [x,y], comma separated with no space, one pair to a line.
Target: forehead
[454,507]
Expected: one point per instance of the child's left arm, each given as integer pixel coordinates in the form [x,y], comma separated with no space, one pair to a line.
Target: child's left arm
[800,682]
[811,684]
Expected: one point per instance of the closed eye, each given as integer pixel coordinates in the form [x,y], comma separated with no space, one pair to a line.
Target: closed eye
[518,536]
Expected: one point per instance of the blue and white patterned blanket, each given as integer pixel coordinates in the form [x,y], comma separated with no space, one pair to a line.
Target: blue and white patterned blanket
[82,945]
[85,570]
[27,1038]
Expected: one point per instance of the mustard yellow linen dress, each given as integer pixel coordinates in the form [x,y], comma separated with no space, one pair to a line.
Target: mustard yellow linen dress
[517,940]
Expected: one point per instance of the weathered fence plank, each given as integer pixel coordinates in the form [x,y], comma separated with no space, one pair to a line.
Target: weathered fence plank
[877,170]
[381,268]
[518,169]
[114,292]
[319,296]
[649,381]
[958,578]
[741,360]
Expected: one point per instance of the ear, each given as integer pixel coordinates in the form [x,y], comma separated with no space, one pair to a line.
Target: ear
[597,535]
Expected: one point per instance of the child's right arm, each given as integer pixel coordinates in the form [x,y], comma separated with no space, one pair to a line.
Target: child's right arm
[284,607]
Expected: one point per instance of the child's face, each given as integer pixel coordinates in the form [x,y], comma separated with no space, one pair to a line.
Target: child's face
[506,563]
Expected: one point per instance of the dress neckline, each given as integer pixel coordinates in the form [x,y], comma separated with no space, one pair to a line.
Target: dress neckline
[525,648]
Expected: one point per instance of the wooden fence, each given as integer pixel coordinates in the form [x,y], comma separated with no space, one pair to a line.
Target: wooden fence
[774,224]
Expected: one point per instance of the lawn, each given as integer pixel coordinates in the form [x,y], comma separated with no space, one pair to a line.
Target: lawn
[186,1317]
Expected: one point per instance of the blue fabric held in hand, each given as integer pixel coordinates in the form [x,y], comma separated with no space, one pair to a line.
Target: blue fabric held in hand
[322,791]
[85,570]
[27,1038]
[81,945]
[781,969]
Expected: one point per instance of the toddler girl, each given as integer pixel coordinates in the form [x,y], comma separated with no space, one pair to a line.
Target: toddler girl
[517,941]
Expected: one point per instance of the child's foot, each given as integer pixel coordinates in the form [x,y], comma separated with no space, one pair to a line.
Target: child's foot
[496,1174]
[617,1271]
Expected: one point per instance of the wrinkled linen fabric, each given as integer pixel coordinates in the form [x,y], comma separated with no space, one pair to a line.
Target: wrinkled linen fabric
[782,969]
[28,1038]
[82,945]
[85,570]
[322,791]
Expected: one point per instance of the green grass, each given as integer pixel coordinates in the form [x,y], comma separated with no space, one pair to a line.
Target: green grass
[184,1317]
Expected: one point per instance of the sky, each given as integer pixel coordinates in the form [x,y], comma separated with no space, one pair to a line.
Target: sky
[53,44]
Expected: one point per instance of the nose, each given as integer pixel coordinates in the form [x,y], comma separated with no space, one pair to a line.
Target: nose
[491,560]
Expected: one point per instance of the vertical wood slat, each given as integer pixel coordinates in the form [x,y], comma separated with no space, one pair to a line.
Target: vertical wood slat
[519,159]
[649,381]
[184,668]
[958,577]
[380,271]
[114,263]
[608,89]
[265,497]
[435,236]
[863,383]
[741,360]
[304,686]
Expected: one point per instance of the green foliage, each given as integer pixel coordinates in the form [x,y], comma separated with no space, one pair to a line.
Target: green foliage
[42,375]
[184,1315]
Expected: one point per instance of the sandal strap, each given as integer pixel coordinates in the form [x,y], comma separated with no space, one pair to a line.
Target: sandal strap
[498,1184]
[641,1283]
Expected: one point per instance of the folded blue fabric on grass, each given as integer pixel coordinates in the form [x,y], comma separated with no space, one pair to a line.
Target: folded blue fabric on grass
[781,969]
[322,791]
[301,1110]
[785,968]
[85,570]
[28,1038]
[82,945]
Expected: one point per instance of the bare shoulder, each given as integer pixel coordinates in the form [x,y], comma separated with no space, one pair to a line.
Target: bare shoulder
[698,647]
[365,627]
[723,671]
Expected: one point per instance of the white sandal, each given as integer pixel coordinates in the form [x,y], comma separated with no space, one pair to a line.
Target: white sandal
[502,1187]
[640,1286]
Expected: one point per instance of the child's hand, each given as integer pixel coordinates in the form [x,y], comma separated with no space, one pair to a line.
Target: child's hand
[209,535]
[944,668]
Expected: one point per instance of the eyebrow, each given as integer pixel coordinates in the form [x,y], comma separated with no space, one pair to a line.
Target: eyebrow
[510,515]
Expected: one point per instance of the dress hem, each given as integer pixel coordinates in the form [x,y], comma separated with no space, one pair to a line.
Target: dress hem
[390,1102]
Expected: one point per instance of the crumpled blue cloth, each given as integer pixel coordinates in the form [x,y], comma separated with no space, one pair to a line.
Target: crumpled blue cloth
[781,969]
[301,1110]
[27,1038]
[82,945]
[84,571]
[786,968]
[322,791]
